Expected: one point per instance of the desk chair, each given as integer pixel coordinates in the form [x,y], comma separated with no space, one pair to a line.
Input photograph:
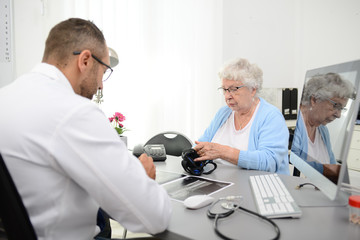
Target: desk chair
[175,143]
[296,172]
[14,216]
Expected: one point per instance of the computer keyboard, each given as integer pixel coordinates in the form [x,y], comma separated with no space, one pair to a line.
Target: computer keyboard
[273,200]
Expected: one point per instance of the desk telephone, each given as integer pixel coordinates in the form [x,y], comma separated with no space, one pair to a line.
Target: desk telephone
[156,151]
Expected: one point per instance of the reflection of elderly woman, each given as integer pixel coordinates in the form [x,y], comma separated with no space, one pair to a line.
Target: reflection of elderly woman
[248,132]
[323,99]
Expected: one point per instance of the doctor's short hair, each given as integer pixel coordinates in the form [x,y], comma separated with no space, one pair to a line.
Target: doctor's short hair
[329,85]
[74,34]
[241,69]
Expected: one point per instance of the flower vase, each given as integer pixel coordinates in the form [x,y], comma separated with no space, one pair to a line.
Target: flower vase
[124,139]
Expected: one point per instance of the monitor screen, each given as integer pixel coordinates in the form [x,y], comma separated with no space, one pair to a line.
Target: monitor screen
[327,114]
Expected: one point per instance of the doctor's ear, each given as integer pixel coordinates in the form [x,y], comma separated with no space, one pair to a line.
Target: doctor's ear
[83,61]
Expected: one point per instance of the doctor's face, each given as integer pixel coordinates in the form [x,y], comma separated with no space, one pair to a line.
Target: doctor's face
[94,78]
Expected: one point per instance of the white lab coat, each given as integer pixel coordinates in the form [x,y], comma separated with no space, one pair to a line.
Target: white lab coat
[67,161]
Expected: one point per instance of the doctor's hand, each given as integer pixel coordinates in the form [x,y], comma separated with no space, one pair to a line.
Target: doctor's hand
[148,165]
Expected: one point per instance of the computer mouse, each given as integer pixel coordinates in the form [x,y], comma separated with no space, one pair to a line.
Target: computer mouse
[198,201]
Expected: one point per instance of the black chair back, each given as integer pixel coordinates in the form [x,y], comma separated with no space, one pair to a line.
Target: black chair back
[13,214]
[174,145]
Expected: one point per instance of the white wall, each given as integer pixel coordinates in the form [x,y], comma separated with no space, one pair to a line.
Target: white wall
[330,32]
[6,43]
[264,32]
[284,37]
[36,17]
[28,35]
[33,20]
[287,37]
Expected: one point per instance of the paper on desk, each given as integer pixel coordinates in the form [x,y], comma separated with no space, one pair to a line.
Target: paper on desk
[181,186]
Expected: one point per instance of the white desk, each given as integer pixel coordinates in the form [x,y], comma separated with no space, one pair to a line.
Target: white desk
[315,223]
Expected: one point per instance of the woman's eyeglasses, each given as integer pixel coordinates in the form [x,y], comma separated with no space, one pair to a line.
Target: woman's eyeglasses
[231,90]
[336,106]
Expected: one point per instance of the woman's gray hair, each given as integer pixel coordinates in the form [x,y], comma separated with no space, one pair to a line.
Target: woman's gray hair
[242,70]
[325,86]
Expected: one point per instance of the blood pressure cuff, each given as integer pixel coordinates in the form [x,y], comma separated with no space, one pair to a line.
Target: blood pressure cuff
[196,168]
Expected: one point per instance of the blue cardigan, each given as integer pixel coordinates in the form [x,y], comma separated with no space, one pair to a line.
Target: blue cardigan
[268,140]
[300,143]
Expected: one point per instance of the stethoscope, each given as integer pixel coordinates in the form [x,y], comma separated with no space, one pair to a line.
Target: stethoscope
[230,204]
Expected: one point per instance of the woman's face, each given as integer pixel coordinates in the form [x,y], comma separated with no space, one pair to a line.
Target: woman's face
[239,100]
[327,110]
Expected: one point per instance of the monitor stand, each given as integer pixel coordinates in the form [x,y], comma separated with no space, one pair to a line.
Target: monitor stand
[329,194]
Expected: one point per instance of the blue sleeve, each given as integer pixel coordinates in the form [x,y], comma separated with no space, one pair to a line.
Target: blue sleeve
[325,135]
[318,166]
[221,116]
[300,144]
[268,142]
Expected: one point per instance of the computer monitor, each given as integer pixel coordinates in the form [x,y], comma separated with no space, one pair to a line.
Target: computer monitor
[303,156]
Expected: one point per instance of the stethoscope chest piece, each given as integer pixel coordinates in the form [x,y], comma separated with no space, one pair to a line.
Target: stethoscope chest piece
[232,203]
[229,205]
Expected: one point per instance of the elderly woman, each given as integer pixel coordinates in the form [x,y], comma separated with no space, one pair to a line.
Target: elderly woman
[248,132]
[324,97]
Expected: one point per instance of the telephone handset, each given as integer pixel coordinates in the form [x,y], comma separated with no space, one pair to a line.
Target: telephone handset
[156,151]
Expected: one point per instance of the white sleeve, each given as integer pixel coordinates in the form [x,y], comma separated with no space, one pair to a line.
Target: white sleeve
[90,152]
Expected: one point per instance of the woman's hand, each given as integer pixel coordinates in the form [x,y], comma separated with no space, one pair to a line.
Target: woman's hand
[332,171]
[211,151]
[207,150]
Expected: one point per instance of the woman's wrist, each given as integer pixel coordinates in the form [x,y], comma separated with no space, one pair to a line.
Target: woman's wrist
[230,154]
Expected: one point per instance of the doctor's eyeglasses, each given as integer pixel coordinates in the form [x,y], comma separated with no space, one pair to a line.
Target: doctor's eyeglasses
[108,70]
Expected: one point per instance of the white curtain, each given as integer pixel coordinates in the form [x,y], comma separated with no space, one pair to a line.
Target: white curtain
[169,53]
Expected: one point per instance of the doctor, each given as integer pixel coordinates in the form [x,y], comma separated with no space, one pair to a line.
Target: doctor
[61,151]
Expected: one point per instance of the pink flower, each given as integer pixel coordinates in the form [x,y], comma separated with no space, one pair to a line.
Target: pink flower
[115,120]
[119,117]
